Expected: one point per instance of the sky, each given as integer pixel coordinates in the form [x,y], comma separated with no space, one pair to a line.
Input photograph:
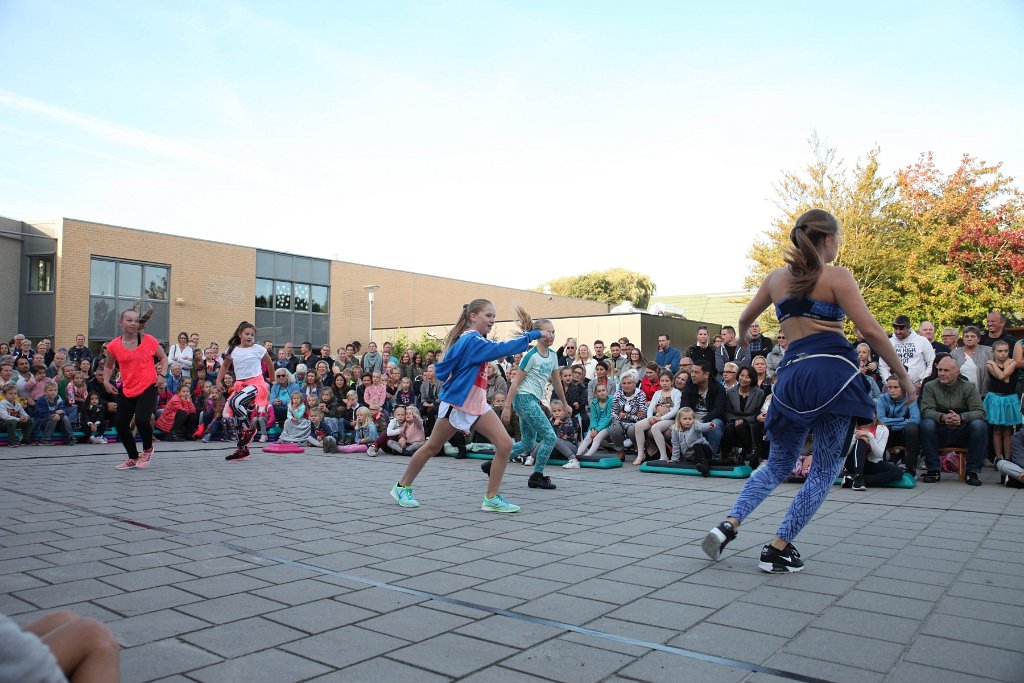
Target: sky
[502,142]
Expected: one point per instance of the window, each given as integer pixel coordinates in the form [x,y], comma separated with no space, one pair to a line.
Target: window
[318,299]
[264,293]
[40,274]
[114,286]
[283,295]
[301,297]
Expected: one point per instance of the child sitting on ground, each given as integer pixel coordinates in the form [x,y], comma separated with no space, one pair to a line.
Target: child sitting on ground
[688,442]
[411,435]
[14,417]
[92,421]
[50,415]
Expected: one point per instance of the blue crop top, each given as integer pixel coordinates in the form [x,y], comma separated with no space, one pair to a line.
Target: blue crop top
[806,307]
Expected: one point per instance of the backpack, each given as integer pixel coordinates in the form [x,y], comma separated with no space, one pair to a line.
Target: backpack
[950,462]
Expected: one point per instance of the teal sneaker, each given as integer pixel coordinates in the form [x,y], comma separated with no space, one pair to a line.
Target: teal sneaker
[498,504]
[403,494]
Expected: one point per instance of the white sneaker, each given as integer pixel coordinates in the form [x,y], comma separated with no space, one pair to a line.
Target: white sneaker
[573,464]
[627,443]
[529,461]
[372,451]
[263,438]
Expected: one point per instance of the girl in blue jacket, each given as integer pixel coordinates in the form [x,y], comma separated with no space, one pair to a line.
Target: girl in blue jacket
[463,399]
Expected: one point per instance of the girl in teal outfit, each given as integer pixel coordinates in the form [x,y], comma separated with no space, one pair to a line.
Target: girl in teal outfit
[538,367]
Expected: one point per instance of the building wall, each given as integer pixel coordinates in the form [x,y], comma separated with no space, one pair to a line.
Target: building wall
[413,300]
[10,278]
[216,281]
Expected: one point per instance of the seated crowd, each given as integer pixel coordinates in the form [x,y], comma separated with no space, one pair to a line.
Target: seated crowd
[706,406]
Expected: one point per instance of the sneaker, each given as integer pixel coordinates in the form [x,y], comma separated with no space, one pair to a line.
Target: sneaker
[716,540]
[498,504]
[931,476]
[518,459]
[573,464]
[403,494]
[776,561]
[529,461]
[485,466]
[858,483]
[264,438]
[206,438]
[238,455]
[372,451]
[972,479]
[539,481]
[847,482]
[128,464]
[144,459]
[627,443]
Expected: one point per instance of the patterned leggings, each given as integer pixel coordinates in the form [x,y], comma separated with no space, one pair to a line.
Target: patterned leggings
[535,428]
[832,435]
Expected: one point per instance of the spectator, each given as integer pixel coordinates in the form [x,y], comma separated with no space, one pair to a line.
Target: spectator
[600,423]
[24,350]
[628,408]
[179,419]
[567,353]
[372,361]
[180,354]
[661,413]
[496,384]
[729,374]
[1002,407]
[706,398]
[996,324]
[950,339]
[308,358]
[14,416]
[55,370]
[702,349]
[618,362]
[289,354]
[760,367]
[280,393]
[602,377]
[865,465]
[174,378]
[599,352]
[972,359]
[730,351]
[584,359]
[667,357]
[430,389]
[1011,472]
[913,350]
[60,646]
[927,330]
[636,363]
[952,415]
[79,351]
[388,359]
[759,345]
[742,430]
[903,422]
[574,385]
[777,354]
[296,425]
[869,369]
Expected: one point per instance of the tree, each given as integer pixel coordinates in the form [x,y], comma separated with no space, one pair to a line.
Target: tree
[863,202]
[922,244]
[970,228]
[610,286]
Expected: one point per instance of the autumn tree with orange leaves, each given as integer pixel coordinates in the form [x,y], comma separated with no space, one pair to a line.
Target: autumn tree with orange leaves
[946,248]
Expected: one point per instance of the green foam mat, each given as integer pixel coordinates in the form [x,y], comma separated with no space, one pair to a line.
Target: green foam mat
[473,455]
[451,451]
[728,471]
[907,481]
[601,462]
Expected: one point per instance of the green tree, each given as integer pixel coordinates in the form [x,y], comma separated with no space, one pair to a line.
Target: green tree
[864,202]
[610,286]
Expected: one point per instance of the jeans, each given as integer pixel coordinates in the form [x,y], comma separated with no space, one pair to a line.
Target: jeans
[910,438]
[714,437]
[973,436]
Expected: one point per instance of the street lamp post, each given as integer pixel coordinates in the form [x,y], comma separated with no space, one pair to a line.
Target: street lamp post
[371,291]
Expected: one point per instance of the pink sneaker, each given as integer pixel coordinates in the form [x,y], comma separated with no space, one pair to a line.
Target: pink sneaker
[128,464]
[144,459]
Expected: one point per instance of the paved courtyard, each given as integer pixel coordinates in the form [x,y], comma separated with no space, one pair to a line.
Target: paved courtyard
[302,568]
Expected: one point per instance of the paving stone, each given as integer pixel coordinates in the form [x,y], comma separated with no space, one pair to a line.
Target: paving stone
[133,581]
[777,620]
[344,646]
[273,666]
[967,659]
[221,585]
[153,626]
[561,660]
[867,653]
[148,600]
[381,669]
[415,623]
[566,608]
[243,637]
[981,610]
[511,632]
[230,608]
[322,615]
[67,593]
[157,660]
[661,666]
[452,654]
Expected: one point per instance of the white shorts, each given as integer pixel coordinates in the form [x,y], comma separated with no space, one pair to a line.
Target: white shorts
[459,419]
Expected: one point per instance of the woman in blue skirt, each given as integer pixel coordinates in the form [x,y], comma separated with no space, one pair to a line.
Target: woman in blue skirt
[819,388]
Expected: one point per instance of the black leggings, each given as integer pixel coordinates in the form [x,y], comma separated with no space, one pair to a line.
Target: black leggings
[141,409]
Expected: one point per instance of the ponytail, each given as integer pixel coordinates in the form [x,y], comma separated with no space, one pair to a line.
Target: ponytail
[525,322]
[236,339]
[802,257]
[462,324]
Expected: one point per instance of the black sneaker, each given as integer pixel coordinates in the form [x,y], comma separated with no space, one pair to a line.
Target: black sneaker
[858,483]
[847,482]
[780,561]
[486,467]
[972,479]
[716,540]
[239,454]
[931,476]
[539,481]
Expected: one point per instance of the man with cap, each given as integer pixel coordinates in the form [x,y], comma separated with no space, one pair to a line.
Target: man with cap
[914,350]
